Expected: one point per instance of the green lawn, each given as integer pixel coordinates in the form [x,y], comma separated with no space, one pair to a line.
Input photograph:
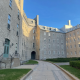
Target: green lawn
[72,70]
[31,62]
[13,74]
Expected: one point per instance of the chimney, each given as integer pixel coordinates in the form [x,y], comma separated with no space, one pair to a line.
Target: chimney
[37,19]
[69,22]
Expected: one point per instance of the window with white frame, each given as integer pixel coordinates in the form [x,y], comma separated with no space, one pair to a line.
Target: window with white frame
[49,34]
[44,33]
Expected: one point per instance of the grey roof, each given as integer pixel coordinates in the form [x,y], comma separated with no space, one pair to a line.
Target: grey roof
[51,29]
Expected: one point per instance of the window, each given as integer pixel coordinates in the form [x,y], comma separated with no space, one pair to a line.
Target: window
[62,52]
[33,45]
[10,3]
[49,34]
[43,27]
[49,52]
[33,37]
[53,40]
[44,33]
[78,39]
[49,28]
[18,11]
[70,35]
[70,41]
[58,53]
[17,33]
[44,39]
[73,33]
[75,52]
[49,45]
[74,46]
[71,46]
[18,14]
[17,25]
[77,32]
[9,20]
[49,40]
[74,39]
[71,53]
[79,52]
[79,45]
[54,52]
[67,53]
[33,31]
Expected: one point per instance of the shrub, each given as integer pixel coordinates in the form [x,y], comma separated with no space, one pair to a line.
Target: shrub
[75,64]
[63,59]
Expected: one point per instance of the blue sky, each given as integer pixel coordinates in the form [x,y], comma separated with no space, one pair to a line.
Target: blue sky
[53,13]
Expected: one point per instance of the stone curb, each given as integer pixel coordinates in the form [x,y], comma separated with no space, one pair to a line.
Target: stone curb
[24,77]
[66,72]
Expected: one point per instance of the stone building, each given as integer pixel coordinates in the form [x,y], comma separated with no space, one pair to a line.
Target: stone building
[22,38]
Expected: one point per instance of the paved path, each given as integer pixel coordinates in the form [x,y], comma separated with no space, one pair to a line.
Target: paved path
[62,63]
[47,71]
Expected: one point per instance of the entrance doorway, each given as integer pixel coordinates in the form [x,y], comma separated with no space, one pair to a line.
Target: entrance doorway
[33,55]
[6,48]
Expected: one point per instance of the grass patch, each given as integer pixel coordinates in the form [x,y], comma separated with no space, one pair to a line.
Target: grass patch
[72,70]
[31,62]
[13,74]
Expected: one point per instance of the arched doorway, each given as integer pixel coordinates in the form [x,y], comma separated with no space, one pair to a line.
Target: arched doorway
[33,55]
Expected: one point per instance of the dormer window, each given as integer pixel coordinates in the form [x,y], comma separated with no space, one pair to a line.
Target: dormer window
[49,28]
[31,21]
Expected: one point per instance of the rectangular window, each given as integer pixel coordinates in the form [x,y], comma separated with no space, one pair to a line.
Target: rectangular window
[75,52]
[33,31]
[71,53]
[10,3]
[9,20]
[33,37]
[44,33]
[79,45]
[49,34]
[18,14]
[33,45]
[17,25]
